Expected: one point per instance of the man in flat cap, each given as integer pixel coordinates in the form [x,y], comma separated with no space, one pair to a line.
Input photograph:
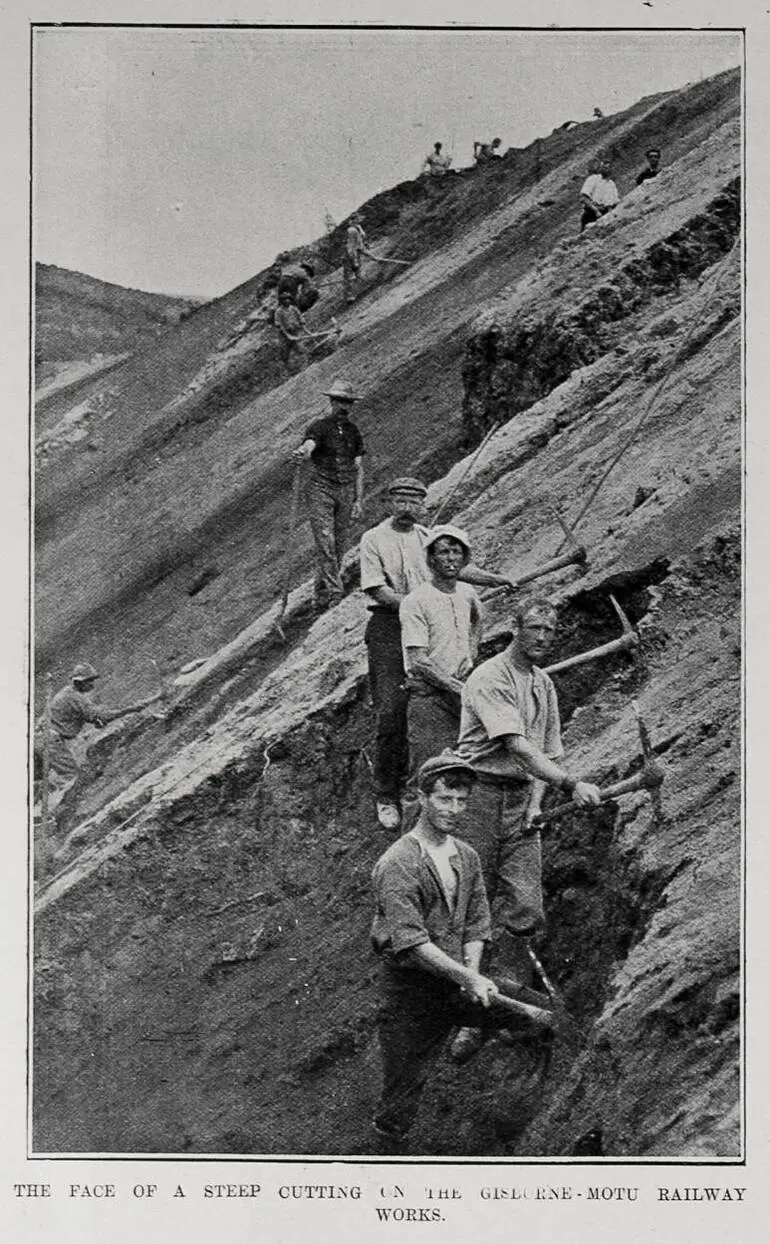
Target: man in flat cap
[71,709]
[393,563]
[430,927]
[335,449]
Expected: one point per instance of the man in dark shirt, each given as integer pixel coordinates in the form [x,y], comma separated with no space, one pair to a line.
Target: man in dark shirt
[335,449]
[430,927]
[653,166]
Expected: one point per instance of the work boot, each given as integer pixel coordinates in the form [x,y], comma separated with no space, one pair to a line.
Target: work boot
[466,1045]
[388,814]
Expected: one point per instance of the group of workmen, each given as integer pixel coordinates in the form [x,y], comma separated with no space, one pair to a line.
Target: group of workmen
[473,747]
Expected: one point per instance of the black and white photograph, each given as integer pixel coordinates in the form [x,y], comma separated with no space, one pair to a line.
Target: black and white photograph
[386,719]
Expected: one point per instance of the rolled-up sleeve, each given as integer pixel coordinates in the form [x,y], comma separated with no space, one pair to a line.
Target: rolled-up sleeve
[498,714]
[372,570]
[399,924]
[415,632]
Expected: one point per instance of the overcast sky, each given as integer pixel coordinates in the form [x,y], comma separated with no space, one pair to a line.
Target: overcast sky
[183,160]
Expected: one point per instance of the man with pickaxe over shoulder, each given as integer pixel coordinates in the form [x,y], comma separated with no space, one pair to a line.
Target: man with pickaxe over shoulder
[510,734]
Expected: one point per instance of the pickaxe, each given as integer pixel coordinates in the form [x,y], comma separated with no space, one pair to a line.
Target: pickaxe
[629,639]
[649,778]
[577,557]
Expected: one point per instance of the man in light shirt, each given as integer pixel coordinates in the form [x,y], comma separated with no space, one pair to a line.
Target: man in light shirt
[598,194]
[511,736]
[393,563]
[436,163]
[441,624]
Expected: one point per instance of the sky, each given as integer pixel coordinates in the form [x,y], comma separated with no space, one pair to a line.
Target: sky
[182,161]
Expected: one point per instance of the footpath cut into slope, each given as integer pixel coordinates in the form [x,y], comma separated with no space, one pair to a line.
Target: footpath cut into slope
[204,982]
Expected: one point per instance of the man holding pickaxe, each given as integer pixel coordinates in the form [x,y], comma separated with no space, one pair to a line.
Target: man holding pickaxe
[510,734]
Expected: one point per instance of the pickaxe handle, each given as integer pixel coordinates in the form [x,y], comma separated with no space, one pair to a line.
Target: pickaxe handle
[649,778]
[623,644]
[556,563]
[539,1016]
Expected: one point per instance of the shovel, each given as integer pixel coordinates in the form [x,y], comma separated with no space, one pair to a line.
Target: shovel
[293,511]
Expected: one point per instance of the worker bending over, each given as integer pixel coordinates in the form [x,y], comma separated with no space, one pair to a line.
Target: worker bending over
[71,709]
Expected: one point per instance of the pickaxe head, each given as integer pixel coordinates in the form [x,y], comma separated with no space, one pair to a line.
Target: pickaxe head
[624,621]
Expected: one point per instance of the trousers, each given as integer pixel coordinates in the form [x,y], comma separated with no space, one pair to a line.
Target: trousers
[389,696]
[61,759]
[511,860]
[416,1015]
[330,505]
[433,723]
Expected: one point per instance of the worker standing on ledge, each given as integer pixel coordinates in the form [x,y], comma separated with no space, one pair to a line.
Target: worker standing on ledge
[393,563]
[335,449]
[441,623]
[510,734]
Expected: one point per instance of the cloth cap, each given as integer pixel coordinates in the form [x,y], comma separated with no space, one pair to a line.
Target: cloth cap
[407,483]
[652,151]
[84,672]
[308,267]
[454,533]
[446,762]
[342,390]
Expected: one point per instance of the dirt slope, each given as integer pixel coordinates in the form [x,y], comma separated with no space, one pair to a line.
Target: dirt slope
[204,982]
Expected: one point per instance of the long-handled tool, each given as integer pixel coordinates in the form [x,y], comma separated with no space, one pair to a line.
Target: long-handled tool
[537,1014]
[628,640]
[576,557]
[293,511]
[649,778]
[384,259]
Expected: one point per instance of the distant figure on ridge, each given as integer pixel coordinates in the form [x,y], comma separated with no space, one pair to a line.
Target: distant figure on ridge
[436,163]
[652,167]
[598,194]
[335,449]
[355,249]
[484,153]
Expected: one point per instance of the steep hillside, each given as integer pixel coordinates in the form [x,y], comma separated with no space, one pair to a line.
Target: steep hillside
[85,326]
[203,976]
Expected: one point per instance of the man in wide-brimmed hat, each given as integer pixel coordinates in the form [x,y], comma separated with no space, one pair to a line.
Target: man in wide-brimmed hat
[335,449]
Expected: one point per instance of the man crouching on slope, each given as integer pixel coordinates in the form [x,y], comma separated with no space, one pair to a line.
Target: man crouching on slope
[430,927]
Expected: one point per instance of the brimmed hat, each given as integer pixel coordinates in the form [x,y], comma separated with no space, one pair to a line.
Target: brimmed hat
[84,673]
[453,533]
[407,483]
[446,762]
[342,390]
